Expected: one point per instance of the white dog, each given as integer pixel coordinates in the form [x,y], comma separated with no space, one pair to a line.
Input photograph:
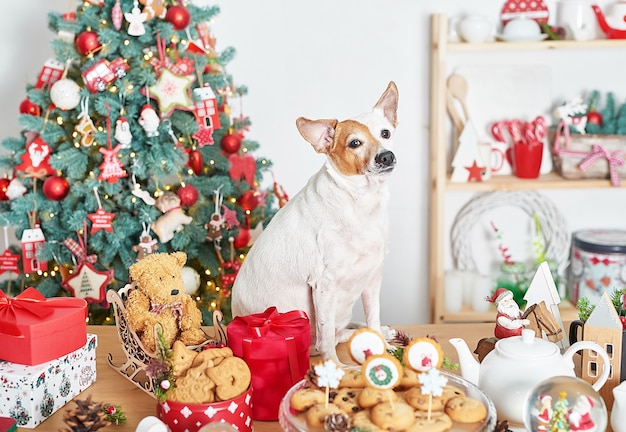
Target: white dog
[325,248]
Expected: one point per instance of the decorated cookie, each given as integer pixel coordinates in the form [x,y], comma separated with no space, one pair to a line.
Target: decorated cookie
[422,354]
[365,342]
[328,374]
[382,371]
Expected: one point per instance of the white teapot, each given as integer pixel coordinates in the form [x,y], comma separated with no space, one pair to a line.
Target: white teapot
[517,364]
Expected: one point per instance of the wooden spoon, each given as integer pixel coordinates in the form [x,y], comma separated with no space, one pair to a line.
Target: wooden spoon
[457,85]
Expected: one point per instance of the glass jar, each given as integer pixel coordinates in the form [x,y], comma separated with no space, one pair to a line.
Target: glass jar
[513,277]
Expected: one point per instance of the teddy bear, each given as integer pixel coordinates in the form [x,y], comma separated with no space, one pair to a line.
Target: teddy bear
[158,297]
[173,217]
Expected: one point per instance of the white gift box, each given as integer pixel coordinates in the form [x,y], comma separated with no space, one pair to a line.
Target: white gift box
[31,394]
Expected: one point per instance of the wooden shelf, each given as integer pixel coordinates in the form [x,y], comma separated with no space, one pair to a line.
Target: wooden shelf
[439,165]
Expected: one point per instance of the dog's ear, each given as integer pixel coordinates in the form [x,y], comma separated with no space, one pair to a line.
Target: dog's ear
[319,133]
[388,103]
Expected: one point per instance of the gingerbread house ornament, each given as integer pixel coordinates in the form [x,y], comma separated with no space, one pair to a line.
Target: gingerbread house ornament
[605,328]
[32,243]
[51,72]
[207,115]
[530,9]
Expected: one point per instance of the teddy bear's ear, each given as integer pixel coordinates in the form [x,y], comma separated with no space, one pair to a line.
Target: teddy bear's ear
[181,258]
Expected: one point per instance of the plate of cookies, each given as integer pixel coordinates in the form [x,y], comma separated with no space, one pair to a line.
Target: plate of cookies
[461,407]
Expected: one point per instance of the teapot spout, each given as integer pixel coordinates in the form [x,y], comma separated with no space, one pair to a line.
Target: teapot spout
[604,25]
[470,368]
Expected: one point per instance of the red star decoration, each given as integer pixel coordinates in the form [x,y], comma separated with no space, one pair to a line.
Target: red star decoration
[88,283]
[475,172]
[101,220]
[204,136]
[230,217]
[8,262]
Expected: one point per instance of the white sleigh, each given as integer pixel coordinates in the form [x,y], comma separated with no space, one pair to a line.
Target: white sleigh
[137,356]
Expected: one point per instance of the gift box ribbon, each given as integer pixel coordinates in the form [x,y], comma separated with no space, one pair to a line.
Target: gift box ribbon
[283,324]
[30,301]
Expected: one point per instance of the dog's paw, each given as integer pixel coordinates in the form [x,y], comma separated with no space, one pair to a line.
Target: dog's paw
[388,333]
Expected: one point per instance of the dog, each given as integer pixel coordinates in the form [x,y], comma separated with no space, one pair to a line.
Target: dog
[325,248]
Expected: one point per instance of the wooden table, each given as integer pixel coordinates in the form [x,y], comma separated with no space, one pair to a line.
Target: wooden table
[111,387]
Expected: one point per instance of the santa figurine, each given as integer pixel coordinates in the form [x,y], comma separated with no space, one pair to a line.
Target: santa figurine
[149,121]
[580,416]
[509,321]
[122,132]
[545,413]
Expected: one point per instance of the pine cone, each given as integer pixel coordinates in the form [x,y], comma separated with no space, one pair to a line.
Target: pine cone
[337,422]
[86,417]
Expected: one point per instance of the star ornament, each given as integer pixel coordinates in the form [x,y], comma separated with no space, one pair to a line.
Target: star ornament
[101,220]
[88,283]
[475,172]
[172,92]
[8,262]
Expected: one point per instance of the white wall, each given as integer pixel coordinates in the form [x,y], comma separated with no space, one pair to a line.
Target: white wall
[334,58]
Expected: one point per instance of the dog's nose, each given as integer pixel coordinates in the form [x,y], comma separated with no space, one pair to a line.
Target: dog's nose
[174,292]
[386,158]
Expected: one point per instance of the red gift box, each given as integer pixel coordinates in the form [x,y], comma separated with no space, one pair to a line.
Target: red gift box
[276,348]
[35,329]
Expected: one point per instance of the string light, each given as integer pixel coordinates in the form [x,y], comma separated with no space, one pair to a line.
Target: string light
[59,120]
[126,42]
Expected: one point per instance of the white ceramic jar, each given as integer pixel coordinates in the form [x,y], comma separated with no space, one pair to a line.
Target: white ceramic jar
[475,29]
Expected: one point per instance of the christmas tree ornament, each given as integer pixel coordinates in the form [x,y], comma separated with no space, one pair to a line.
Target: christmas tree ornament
[111,169]
[85,127]
[242,166]
[242,239]
[4,185]
[154,8]
[188,195]
[8,260]
[195,161]
[28,107]
[102,73]
[65,94]
[117,16]
[122,133]
[51,71]
[87,43]
[231,143]
[249,200]
[230,218]
[100,220]
[191,279]
[207,115]
[15,189]
[178,16]
[280,194]
[172,92]
[55,188]
[135,20]
[149,121]
[35,161]
[173,219]
[214,226]
[140,193]
[86,282]
[146,245]
[32,243]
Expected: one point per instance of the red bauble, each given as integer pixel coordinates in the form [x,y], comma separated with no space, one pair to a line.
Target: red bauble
[87,42]
[594,117]
[4,184]
[242,239]
[195,161]
[188,195]
[178,16]
[249,200]
[28,107]
[55,188]
[231,143]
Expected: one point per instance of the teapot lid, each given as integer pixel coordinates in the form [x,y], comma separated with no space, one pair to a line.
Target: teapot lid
[526,346]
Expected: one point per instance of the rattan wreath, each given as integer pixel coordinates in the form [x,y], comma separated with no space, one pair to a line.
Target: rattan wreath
[555,234]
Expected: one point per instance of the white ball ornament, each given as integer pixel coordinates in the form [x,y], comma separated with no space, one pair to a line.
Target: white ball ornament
[65,94]
[191,279]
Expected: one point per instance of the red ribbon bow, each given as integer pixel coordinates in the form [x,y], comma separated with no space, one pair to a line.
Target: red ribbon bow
[31,301]
[614,158]
[260,324]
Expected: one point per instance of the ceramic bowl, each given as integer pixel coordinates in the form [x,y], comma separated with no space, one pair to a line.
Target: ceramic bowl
[522,29]
[475,29]
[290,421]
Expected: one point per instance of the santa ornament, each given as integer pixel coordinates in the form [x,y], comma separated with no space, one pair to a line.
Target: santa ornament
[149,121]
[122,132]
[35,161]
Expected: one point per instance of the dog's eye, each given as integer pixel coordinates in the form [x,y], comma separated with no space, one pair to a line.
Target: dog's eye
[385,133]
[354,143]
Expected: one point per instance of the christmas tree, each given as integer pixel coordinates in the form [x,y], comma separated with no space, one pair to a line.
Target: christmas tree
[129,147]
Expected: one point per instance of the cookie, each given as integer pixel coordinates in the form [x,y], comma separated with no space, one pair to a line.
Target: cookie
[316,415]
[438,422]
[362,421]
[231,377]
[182,358]
[346,398]
[409,379]
[392,416]
[422,402]
[450,391]
[352,378]
[303,399]
[371,396]
[212,354]
[194,387]
[464,409]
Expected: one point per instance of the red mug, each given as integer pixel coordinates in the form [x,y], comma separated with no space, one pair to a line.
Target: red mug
[527,159]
